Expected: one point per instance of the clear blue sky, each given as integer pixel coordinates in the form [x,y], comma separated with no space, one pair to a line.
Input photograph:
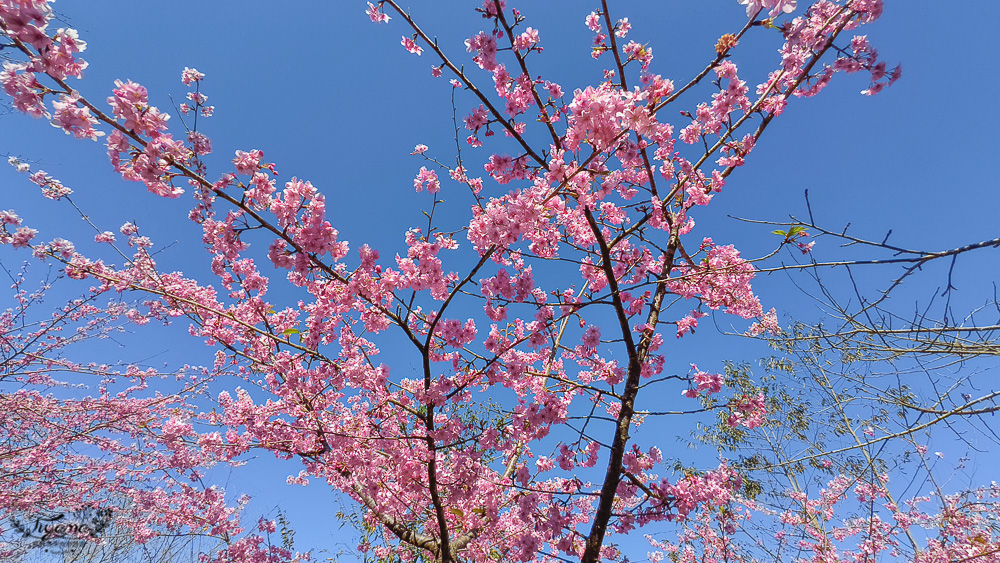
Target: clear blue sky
[336,100]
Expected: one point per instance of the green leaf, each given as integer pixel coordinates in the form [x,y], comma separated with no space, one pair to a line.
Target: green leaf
[289,331]
[779,232]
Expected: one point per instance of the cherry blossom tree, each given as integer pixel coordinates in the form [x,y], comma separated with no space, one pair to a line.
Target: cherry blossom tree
[67,448]
[539,311]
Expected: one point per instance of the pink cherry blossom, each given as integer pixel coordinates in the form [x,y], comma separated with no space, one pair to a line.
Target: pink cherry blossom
[74,119]
[427,178]
[774,7]
[190,75]
[526,40]
[410,45]
[622,27]
[376,14]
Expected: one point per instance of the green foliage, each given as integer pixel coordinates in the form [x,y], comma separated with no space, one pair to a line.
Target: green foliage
[287,533]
